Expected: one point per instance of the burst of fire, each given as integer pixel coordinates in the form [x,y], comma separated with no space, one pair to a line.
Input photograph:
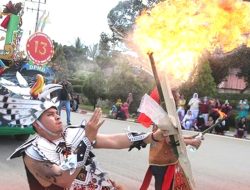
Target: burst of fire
[222,115]
[179,32]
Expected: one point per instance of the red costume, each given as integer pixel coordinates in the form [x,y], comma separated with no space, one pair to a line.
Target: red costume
[164,165]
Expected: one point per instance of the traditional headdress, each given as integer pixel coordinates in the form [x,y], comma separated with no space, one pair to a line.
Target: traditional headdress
[20,111]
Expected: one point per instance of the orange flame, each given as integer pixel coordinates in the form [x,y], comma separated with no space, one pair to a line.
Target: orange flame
[222,114]
[179,32]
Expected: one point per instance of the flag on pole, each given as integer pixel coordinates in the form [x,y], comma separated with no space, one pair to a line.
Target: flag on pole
[143,118]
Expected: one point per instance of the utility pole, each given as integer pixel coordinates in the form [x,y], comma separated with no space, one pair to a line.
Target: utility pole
[39,2]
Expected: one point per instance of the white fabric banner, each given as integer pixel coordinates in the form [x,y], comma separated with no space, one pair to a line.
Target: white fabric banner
[152,109]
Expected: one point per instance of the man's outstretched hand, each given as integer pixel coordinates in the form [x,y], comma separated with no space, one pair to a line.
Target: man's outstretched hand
[94,124]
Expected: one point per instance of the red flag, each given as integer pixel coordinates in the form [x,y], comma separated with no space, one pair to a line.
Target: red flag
[143,119]
[5,22]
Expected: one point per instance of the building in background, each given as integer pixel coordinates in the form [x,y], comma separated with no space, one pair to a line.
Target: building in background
[233,84]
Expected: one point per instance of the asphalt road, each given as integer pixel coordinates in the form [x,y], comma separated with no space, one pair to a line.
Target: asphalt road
[221,163]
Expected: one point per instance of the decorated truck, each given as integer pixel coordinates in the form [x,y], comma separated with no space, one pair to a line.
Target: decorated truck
[18,69]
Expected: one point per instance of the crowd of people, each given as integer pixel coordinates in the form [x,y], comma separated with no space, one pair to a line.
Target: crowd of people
[196,114]
[120,110]
[201,113]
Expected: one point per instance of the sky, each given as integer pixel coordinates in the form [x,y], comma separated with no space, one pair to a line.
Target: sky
[68,19]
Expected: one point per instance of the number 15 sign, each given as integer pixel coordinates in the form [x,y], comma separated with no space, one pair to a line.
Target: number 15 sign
[40,48]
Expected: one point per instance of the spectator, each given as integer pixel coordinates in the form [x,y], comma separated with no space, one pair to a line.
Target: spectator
[113,111]
[210,122]
[124,108]
[65,96]
[241,130]
[204,108]
[226,108]
[129,101]
[200,124]
[181,107]
[220,128]
[215,104]
[123,112]
[243,109]
[188,120]
[118,104]
[194,105]
[129,98]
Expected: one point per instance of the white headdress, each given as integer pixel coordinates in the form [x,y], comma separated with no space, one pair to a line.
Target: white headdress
[20,111]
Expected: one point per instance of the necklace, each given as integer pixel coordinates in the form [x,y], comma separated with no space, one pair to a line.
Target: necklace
[62,147]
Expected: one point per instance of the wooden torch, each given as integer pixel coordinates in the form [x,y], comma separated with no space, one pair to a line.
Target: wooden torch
[174,130]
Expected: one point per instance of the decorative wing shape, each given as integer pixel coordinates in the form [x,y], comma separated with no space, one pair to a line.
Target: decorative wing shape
[19,111]
[21,80]
[25,110]
[21,90]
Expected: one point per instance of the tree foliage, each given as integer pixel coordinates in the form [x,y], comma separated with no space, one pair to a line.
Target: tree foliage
[243,63]
[59,63]
[121,19]
[94,87]
[238,58]
[124,80]
[68,59]
[201,82]
[92,51]
[104,44]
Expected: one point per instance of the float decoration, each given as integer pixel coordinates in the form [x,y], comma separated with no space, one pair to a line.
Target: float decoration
[40,48]
[11,23]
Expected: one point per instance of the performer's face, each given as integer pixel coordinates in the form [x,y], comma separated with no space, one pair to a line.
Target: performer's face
[52,121]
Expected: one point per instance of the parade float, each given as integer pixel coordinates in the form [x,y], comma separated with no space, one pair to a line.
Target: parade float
[19,68]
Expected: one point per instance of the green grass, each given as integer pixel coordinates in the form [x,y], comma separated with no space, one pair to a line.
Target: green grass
[91,108]
[86,107]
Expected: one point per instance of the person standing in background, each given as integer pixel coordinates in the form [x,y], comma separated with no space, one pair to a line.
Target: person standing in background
[204,108]
[243,108]
[129,101]
[227,109]
[194,105]
[241,128]
[64,96]
[129,98]
[181,107]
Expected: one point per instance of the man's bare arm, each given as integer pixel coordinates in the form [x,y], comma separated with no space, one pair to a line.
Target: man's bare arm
[48,173]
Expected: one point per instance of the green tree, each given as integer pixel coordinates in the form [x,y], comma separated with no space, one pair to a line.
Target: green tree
[92,51]
[59,62]
[78,84]
[75,55]
[243,63]
[238,58]
[104,44]
[94,87]
[201,82]
[245,73]
[67,59]
[126,79]
[121,19]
